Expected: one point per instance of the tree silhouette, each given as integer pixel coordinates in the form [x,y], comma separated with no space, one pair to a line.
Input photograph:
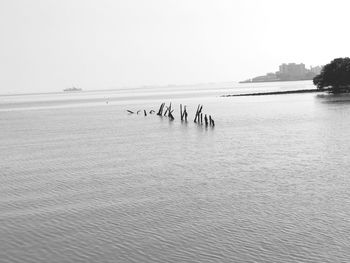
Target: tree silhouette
[335,76]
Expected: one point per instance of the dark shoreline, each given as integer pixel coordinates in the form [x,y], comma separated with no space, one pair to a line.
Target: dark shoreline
[276,93]
[276,80]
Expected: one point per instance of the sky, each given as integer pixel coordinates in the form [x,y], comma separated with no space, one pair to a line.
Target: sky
[49,45]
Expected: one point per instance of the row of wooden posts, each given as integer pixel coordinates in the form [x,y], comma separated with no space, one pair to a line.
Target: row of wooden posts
[168,111]
[199,117]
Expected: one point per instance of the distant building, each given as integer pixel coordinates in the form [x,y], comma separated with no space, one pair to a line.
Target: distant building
[293,69]
[288,72]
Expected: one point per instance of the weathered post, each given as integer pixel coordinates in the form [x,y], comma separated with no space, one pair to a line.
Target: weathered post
[170,112]
[171,115]
[195,118]
[201,118]
[160,112]
[144,111]
[199,110]
[185,113]
[206,120]
[181,115]
[167,109]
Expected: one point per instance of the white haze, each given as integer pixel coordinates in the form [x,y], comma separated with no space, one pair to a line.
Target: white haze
[48,45]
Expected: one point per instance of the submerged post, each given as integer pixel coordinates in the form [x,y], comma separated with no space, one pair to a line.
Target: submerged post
[160,111]
[171,115]
[199,110]
[181,115]
[184,114]
[167,109]
[195,117]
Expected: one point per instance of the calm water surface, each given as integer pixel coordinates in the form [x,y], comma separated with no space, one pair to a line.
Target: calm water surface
[83,181]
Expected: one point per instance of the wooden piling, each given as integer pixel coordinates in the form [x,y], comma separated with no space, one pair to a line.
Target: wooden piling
[144,111]
[181,112]
[160,111]
[195,117]
[206,120]
[167,109]
[171,115]
[184,114]
[199,110]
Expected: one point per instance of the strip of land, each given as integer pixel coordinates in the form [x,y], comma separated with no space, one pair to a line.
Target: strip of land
[275,93]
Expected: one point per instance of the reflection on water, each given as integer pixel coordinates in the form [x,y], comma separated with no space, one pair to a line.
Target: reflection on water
[333,98]
[268,184]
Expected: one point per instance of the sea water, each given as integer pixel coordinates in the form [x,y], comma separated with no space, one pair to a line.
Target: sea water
[81,180]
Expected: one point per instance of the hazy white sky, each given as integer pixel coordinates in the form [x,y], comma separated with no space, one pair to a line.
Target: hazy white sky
[48,45]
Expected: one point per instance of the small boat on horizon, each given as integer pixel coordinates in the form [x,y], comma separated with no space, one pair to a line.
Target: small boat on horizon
[72,89]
